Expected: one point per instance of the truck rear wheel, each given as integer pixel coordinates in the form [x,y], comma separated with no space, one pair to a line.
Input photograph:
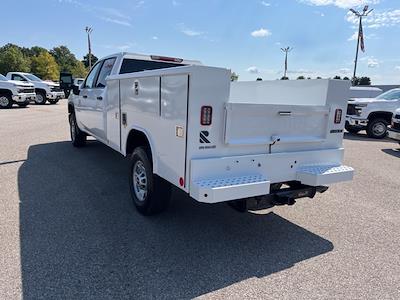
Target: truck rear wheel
[150,193]
[78,137]
[53,101]
[23,104]
[377,128]
[5,101]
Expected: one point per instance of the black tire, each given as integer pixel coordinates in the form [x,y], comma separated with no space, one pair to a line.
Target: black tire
[377,128]
[150,193]
[53,101]
[40,98]
[239,205]
[23,104]
[352,129]
[5,101]
[78,137]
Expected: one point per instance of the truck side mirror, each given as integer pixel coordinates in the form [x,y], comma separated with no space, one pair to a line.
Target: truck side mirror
[75,89]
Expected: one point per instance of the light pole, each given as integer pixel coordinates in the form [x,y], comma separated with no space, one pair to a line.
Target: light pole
[286,51]
[89,31]
[360,37]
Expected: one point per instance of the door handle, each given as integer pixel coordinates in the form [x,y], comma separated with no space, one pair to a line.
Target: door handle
[99,98]
[84,96]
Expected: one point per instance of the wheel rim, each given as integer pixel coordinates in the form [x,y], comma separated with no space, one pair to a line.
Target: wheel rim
[140,181]
[379,129]
[4,101]
[39,98]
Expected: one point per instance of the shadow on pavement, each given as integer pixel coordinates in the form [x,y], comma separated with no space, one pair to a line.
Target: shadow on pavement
[393,152]
[82,238]
[361,137]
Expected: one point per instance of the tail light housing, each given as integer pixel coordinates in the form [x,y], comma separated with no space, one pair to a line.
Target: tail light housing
[338,116]
[206,116]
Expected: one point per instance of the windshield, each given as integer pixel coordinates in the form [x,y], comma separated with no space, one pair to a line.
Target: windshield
[390,95]
[3,78]
[32,77]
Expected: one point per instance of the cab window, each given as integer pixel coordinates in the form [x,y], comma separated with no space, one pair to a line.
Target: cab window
[104,72]
[17,77]
[91,78]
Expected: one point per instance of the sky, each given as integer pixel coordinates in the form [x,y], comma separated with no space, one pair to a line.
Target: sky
[245,36]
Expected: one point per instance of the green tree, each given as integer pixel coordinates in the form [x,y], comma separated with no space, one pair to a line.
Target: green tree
[364,81]
[346,78]
[12,59]
[259,79]
[301,78]
[337,77]
[234,76]
[45,66]
[64,58]
[86,60]
[79,70]
[284,78]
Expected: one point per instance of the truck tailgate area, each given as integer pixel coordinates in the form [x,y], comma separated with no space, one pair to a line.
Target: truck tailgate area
[251,175]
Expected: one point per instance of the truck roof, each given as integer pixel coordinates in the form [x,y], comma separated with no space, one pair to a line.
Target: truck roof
[160,58]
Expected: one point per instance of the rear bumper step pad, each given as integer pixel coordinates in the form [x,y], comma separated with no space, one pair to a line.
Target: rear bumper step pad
[317,175]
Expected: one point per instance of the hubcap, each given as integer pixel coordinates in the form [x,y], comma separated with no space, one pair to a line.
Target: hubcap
[4,101]
[140,181]
[379,129]
[39,98]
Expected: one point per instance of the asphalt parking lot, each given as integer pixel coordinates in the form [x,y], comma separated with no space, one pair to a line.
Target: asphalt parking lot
[69,231]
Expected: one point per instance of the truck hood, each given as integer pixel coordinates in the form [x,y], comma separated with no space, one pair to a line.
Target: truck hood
[22,84]
[51,83]
[366,100]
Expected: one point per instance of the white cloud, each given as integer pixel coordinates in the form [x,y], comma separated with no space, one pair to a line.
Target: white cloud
[262,32]
[344,71]
[339,3]
[188,31]
[397,68]
[387,18]
[155,38]
[253,70]
[266,4]
[372,62]
[175,3]
[117,21]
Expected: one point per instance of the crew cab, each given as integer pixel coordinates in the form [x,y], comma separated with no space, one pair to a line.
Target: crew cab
[15,92]
[251,144]
[372,114]
[45,90]
[394,129]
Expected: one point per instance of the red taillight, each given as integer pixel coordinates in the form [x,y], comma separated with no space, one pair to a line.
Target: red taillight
[338,116]
[165,58]
[206,115]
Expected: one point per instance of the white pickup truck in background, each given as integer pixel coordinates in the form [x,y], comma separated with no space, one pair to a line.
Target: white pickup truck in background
[372,114]
[252,144]
[394,129]
[45,90]
[11,92]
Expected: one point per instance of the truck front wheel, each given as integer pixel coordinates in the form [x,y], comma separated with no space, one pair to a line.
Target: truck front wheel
[352,129]
[150,193]
[377,128]
[78,137]
[40,98]
[5,101]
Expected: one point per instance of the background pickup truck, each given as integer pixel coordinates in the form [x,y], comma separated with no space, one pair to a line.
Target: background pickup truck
[394,129]
[372,114]
[15,92]
[45,90]
[182,124]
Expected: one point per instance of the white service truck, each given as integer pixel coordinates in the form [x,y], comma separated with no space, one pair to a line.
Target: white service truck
[45,90]
[372,114]
[252,144]
[15,92]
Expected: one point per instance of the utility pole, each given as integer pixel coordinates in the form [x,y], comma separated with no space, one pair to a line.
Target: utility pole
[360,36]
[89,31]
[286,51]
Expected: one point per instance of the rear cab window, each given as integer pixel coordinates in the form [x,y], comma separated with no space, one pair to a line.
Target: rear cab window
[105,71]
[130,65]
